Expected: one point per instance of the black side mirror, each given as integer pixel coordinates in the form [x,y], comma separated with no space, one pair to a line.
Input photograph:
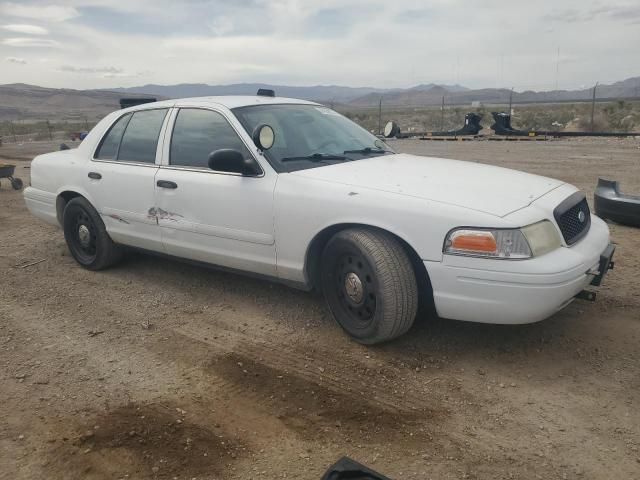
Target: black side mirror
[233,161]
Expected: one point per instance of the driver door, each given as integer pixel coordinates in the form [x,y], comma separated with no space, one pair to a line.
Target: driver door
[220,218]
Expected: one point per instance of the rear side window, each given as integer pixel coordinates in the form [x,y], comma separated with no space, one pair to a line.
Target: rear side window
[197,133]
[108,149]
[140,139]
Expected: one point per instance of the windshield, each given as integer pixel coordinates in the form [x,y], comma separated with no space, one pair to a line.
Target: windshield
[308,136]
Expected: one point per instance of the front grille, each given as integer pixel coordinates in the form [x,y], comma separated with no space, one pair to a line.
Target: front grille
[573,217]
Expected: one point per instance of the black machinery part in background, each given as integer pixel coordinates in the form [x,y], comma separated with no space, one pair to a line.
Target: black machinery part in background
[471,127]
[132,102]
[502,126]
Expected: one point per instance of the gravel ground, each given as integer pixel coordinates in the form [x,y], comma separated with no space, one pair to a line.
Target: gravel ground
[158,369]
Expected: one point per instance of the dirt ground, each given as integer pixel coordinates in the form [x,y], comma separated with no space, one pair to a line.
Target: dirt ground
[158,369]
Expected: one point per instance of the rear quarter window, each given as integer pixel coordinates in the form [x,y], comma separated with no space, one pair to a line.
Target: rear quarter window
[108,149]
[133,137]
[140,139]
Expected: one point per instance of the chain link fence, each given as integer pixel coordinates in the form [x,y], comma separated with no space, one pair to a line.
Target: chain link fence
[617,115]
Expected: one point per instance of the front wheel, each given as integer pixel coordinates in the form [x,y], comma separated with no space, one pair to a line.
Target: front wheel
[87,237]
[369,284]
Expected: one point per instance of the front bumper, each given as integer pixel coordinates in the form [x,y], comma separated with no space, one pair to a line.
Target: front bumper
[518,291]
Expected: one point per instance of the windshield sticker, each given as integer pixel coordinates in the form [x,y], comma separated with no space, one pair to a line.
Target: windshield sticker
[327,111]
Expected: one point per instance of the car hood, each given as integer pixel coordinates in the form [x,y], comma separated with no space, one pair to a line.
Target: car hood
[494,190]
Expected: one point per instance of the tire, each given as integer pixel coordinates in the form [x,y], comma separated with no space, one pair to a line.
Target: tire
[16,183]
[86,236]
[369,284]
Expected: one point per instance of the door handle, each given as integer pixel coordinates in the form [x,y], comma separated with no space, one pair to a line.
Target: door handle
[94,175]
[166,184]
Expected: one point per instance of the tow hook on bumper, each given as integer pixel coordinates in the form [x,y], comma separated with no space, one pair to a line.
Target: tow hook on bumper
[606,263]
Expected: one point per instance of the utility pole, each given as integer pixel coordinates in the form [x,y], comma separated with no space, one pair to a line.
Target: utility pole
[442,115]
[380,116]
[13,132]
[557,67]
[49,128]
[593,104]
[510,100]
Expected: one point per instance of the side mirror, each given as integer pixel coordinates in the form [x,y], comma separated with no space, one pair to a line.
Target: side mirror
[233,161]
[264,137]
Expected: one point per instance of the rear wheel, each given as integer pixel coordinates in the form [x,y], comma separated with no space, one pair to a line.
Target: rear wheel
[87,237]
[369,284]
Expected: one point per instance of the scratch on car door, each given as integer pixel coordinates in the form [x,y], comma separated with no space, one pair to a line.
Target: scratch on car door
[118,217]
[160,214]
[152,214]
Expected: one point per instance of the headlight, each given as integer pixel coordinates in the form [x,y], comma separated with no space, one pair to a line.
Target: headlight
[543,237]
[516,243]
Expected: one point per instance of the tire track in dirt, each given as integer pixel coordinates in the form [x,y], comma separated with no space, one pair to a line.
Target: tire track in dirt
[372,384]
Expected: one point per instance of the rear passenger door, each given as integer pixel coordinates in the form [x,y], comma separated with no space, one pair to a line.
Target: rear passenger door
[120,177]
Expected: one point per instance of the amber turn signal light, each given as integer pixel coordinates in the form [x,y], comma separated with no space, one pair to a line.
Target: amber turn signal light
[474,242]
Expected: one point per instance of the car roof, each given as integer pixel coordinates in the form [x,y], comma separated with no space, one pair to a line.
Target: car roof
[229,101]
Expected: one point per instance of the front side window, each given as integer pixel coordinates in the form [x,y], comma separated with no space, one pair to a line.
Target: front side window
[197,133]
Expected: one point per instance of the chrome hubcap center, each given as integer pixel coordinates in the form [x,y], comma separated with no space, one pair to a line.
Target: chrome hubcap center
[84,235]
[353,287]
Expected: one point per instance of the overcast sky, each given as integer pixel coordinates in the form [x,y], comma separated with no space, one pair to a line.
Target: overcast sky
[382,43]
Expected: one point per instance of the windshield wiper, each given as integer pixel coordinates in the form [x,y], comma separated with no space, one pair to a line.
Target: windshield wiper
[315,157]
[367,151]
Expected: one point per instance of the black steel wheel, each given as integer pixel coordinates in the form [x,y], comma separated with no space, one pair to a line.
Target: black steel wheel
[369,284]
[87,237]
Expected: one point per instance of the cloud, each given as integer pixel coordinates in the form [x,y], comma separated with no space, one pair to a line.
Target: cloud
[120,75]
[26,29]
[300,42]
[222,25]
[20,61]
[625,13]
[106,70]
[49,13]
[26,42]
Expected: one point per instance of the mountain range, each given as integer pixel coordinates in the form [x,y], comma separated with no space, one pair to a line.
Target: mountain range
[22,101]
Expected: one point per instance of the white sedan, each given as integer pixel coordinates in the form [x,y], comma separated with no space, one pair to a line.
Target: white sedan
[293,191]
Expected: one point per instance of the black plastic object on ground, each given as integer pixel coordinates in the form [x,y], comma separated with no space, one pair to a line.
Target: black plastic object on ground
[471,127]
[347,469]
[502,126]
[612,204]
[132,102]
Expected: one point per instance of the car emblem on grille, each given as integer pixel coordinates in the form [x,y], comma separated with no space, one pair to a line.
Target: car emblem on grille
[581,216]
